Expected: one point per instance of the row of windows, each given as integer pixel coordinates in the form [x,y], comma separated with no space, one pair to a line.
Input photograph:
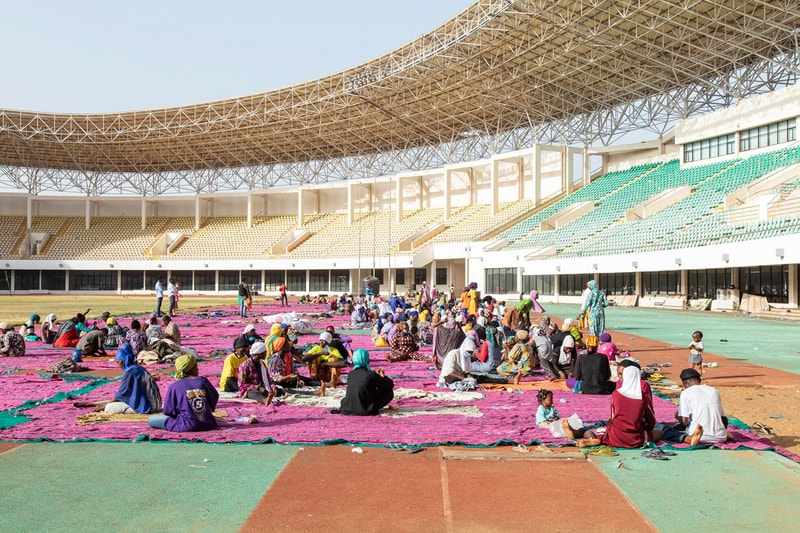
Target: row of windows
[752,139]
[708,148]
[771,282]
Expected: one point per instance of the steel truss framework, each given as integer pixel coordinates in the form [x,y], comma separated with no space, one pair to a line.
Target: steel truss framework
[502,75]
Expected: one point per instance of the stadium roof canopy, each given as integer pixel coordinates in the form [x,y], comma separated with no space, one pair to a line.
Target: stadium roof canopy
[500,75]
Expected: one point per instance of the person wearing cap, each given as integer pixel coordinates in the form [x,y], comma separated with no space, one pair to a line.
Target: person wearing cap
[368,391]
[701,419]
[250,335]
[171,329]
[12,344]
[229,379]
[324,361]
[190,401]
[254,382]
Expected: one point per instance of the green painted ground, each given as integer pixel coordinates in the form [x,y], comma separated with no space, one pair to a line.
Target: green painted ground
[135,487]
[712,490]
[771,343]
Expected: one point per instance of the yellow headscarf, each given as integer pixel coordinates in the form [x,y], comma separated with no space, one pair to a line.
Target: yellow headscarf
[275,329]
[184,365]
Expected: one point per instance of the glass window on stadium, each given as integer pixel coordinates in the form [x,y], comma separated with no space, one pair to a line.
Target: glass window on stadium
[296,280]
[340,281]
[273,280]
[205,281]
[771,281]
[543,284]
[5,281]
[400,277]
[573,284]
[318,280]
[769,135]
[54,280]
[501,280]
[704,283]
[229,280]
[441,276]
[661,283]
[26,280]
[618,284]
[150,278]
[183,278]
[93,280]
[132,280]
[709,148]
[379,274]
[419,276]
[253,280]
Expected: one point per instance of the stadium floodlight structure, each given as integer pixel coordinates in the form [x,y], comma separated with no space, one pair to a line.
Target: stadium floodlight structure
[502,75]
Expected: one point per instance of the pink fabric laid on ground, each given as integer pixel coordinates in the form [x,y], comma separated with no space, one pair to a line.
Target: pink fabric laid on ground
[508,417]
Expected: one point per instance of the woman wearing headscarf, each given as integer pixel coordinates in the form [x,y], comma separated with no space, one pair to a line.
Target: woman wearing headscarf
[190,401]
[367,391]
[254,383]
[494,350]
[447,336]
[632,417]
[595,303]
[520,356]
[138,392]
[472,308]
[457,366]
[404,346]
[535,302]
[49,328]
[70,332]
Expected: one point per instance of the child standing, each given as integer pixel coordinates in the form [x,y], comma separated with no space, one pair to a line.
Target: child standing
[696,351]
[546,414]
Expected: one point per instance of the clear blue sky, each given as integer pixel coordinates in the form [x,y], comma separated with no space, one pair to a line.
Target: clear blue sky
[102,56]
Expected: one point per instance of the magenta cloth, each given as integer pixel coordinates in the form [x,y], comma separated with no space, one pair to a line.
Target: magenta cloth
[508,418]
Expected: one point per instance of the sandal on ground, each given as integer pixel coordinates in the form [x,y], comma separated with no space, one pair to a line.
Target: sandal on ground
[655,453]
[601,450]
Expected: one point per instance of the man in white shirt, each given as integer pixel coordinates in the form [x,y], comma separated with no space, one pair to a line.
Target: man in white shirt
[700,415]
[159,296]
[171,294]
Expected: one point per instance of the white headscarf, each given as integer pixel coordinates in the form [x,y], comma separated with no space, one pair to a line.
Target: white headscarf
[466,350]
[51,320]
[631,383]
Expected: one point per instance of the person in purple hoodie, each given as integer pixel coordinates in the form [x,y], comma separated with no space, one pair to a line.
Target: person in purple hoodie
[190,401]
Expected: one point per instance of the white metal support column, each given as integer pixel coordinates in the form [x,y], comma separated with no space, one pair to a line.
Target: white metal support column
[88,208]
[350,204]
[494,171]
[144,212]
[299,207]
[29,212]
[521,178]
[399,199]
[536,172]
[587,167]
[448,180]
[249,209]
[197,212]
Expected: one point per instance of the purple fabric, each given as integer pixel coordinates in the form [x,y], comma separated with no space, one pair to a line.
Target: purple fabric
[508,418]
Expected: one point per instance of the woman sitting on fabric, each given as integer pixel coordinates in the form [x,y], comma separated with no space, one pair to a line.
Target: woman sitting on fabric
[367,391]
[404,346]
[190,401]
[136,337]
[70,332]
[632,418]
[520,356]
[138,392]
[457,366]
[493,348]
[254,383]
[49,328]
[324,362]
